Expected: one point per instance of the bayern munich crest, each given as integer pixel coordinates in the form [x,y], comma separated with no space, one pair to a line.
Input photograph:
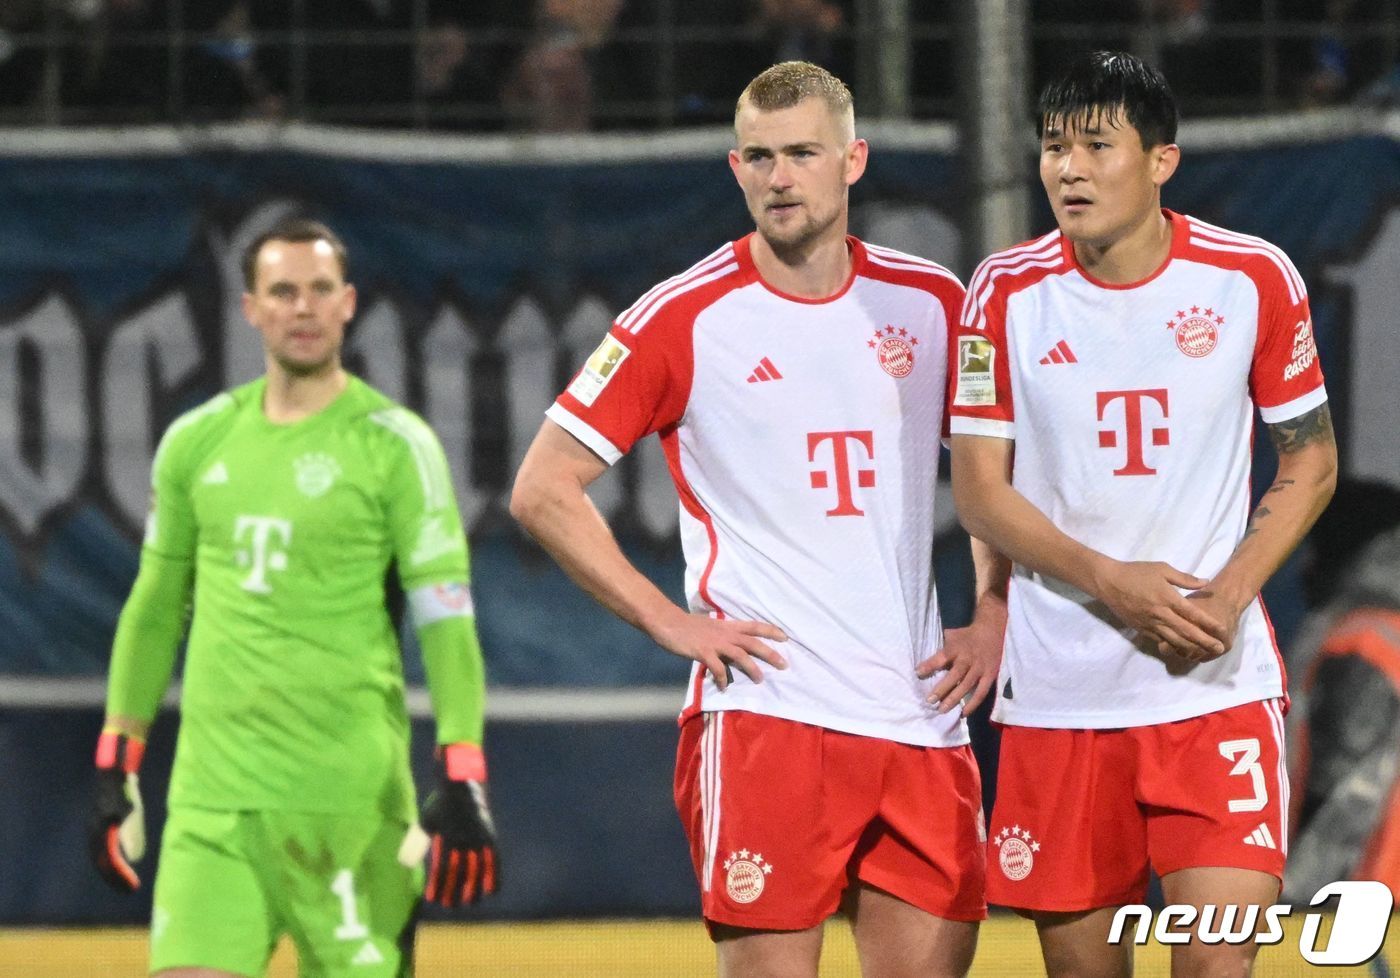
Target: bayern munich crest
[1196,330]
[316,472]
[1016,852]
[894,349]
[746,874]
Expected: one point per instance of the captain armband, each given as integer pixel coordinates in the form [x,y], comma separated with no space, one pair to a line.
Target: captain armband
[438,601]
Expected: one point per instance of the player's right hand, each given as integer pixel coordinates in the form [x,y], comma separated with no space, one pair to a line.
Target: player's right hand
[117,829]
[1145,595]
[719,643]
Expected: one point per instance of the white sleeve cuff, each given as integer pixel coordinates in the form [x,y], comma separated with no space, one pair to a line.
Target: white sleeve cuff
[963,425]
[584,432]
[1295,407]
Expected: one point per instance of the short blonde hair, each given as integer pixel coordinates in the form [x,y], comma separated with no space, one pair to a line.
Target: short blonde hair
[790,82]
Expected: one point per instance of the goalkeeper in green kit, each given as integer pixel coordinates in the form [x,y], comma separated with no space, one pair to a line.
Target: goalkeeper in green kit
[277,508]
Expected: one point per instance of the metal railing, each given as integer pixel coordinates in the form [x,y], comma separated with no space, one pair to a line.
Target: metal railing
[662,64]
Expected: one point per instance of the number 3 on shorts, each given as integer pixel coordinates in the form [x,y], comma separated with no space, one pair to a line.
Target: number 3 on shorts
[1245,754]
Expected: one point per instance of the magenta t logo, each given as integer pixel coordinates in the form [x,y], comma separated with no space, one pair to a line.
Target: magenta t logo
[1132,416]
[842,465]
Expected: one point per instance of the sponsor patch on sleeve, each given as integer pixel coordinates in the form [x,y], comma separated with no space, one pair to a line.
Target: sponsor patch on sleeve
[599,370]
[977,386]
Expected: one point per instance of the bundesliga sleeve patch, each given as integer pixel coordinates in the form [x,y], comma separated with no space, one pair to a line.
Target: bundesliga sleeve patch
[977,386]
[599,370]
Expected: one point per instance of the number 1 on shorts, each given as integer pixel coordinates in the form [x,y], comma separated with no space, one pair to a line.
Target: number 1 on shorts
[350,928]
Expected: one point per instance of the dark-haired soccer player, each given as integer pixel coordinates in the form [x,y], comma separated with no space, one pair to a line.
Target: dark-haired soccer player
[276,509]
[796,378]
[1102,407]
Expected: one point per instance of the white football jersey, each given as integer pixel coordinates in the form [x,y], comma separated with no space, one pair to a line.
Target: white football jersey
[1132,410]
[803,438]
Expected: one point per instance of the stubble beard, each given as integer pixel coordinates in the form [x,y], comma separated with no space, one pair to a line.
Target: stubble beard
[794,241]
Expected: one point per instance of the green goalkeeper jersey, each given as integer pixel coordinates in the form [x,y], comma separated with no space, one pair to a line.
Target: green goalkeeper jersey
[293,682]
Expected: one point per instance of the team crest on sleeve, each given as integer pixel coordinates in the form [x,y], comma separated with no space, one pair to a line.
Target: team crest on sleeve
[894,349]
[1016,851]
[316,472]
[1197,330]
[977,386]
[602,365]
[746,873]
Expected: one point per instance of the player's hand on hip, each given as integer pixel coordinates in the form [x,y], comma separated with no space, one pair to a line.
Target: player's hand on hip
[1145,595]
[972,658]
[457,833]
[117,829]
[721,643]
[1218,608]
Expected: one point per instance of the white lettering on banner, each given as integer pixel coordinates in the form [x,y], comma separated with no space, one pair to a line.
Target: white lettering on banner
[1357,935]
[268,537]
[1368,375]
[374,349]
[449,349]
[527,345]
[156,349]
[42,455]
[67,433]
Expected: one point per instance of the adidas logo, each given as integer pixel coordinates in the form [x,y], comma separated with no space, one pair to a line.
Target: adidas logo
[1060,353]
[1261,837]
[764,371]
[369,954]
[217,475]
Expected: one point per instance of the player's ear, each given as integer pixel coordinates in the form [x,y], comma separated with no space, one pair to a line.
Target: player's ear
[857,155]
[1165,160]
[249,302]
[734,163]
[350,299]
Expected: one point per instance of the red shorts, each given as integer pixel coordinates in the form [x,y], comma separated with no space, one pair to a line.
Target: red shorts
[782,816]
[1081,814]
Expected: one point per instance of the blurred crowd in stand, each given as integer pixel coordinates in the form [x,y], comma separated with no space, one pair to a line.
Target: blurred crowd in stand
[573,65]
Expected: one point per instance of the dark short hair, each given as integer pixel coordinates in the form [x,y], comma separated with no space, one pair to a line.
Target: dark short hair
[297,230]
[1108,86]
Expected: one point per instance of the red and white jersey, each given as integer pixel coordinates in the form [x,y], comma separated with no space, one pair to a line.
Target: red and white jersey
[803,438]
[1132,410]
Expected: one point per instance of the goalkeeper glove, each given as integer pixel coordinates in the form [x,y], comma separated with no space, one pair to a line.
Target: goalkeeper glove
[117,831]
[457,833]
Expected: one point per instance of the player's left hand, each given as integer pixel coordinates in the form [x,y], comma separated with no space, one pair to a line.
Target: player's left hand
[1219,608]
[972,656]
[457,832]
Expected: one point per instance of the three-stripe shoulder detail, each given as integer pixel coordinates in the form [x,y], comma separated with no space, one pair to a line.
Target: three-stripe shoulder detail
[1042,253]
[423,447]
[901,262]
[719,264]
[1218,239]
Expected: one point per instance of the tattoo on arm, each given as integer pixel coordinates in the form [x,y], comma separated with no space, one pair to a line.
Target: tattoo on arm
[1259,514]
[1293,434]
[1280,485]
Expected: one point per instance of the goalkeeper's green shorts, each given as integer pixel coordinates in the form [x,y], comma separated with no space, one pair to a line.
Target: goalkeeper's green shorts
[230,884]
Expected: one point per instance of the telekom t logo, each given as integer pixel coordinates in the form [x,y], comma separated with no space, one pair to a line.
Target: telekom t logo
[268,538]
[842,464]
[1132,416]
